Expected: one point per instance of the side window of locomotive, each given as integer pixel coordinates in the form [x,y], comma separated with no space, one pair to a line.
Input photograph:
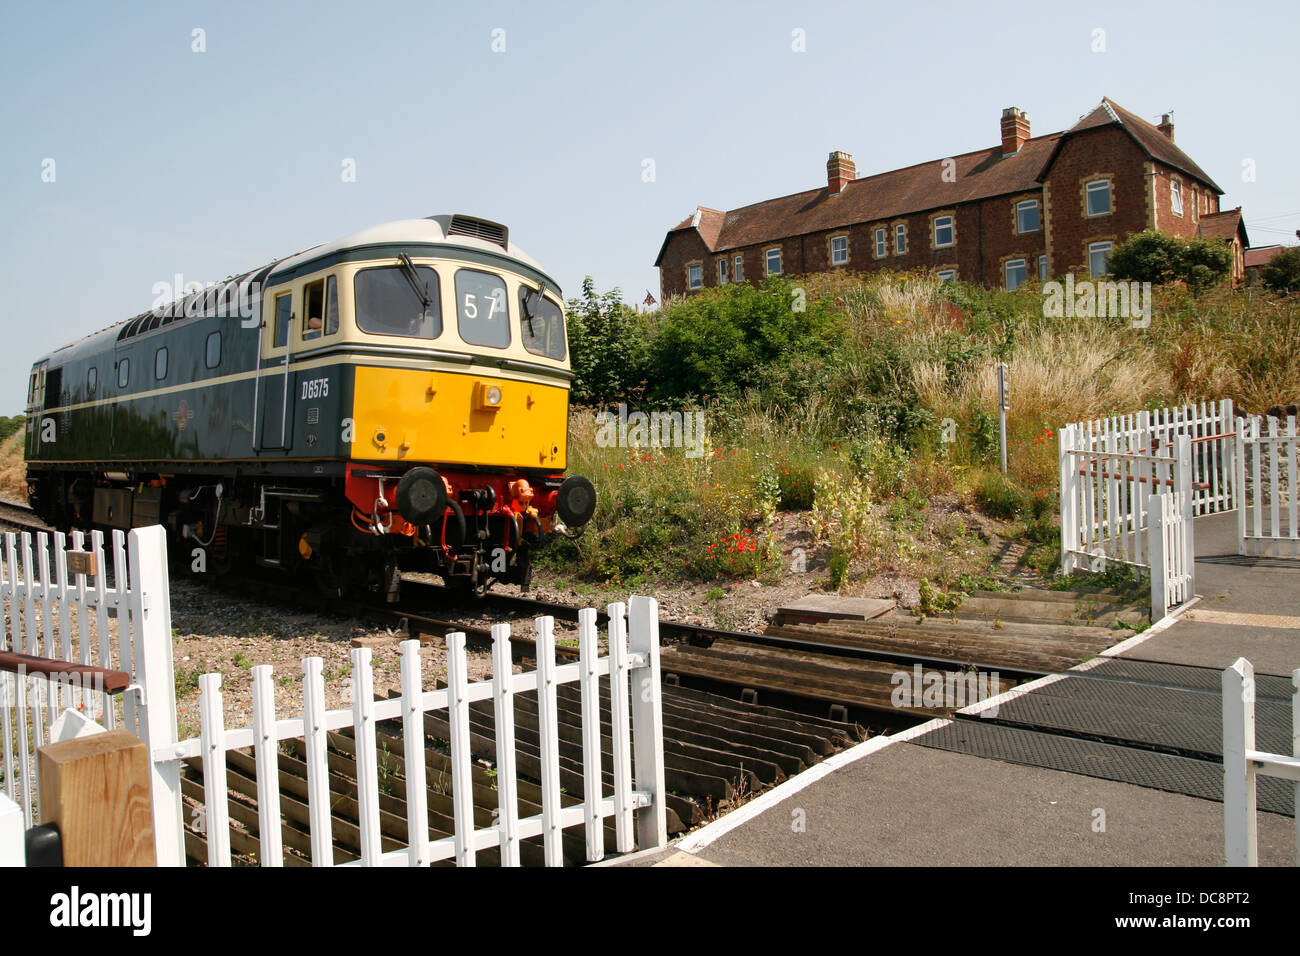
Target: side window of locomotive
[92,380]
[331,305]
[123,372]
[283,315]
[313,309]
[392,301]
[213,357]
[160,364]
[481,312]
[541,324]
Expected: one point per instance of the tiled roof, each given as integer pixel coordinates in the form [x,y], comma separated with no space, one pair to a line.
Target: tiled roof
[1222,225]
[978,175]
[981,174]
[1262,255]
[1154,143]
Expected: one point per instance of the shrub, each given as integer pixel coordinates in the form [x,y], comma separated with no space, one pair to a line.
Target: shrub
[723,341]
[1282,272]
[1157,257]
[608,343]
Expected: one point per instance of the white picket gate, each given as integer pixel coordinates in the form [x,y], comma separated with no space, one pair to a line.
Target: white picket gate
[1269,486]
[79,618]
[1242,763]
[1113,472]
[1171,550]
[638,787]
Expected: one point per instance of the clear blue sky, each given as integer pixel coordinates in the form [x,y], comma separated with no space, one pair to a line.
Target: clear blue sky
[206,164]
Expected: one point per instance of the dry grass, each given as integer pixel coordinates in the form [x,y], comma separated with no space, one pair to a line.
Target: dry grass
[13,468]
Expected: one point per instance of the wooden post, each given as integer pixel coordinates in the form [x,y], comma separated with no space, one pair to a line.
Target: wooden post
[96,789]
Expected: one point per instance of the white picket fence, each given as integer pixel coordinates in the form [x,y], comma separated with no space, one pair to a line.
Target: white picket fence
[127,627]
[81,619]
[1242,763]
[1270,487]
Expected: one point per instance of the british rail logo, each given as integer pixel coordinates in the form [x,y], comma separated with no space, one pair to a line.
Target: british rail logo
[651,430]
[76,909]
[952,690]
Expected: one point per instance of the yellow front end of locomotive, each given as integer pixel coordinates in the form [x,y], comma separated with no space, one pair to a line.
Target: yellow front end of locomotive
[458,418]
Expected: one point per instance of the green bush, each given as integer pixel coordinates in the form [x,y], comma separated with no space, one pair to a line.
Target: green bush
[724,341]
[608,344]
[1282,272]
[1157,257]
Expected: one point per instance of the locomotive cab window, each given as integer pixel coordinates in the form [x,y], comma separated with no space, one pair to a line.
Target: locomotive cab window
[123,372]
[541,324]
[92,379]
[283,316]
[398,300]
[482,315]
[320,308]
[160,364]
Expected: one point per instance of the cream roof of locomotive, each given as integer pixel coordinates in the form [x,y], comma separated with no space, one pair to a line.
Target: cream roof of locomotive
[433,229]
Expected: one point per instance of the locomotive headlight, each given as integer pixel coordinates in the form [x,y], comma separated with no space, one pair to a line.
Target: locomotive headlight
[487,398]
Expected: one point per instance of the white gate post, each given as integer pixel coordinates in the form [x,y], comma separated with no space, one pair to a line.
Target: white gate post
[647,720]
[1239,483]
[150,605]
[1239,845]
[1069,497]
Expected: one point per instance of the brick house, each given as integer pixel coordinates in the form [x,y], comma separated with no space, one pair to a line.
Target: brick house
[1031,206]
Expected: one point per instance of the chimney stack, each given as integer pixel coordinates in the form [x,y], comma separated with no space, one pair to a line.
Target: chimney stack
[1015,130]
[1166,127]
[840,171]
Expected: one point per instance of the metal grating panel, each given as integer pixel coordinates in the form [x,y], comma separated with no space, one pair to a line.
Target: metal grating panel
[478,229]
[1179,675]
[1179,721]
[1143,768]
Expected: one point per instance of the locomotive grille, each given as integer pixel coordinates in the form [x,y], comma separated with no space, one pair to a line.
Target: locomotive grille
[478,229]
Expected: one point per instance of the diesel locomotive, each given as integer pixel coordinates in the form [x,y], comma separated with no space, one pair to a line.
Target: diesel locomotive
[394,400]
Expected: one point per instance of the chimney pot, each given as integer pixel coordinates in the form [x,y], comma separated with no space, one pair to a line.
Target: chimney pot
[1166,127]
[1015,130]
[840,171]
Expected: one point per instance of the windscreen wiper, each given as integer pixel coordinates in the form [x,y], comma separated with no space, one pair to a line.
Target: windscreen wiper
[419,288]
